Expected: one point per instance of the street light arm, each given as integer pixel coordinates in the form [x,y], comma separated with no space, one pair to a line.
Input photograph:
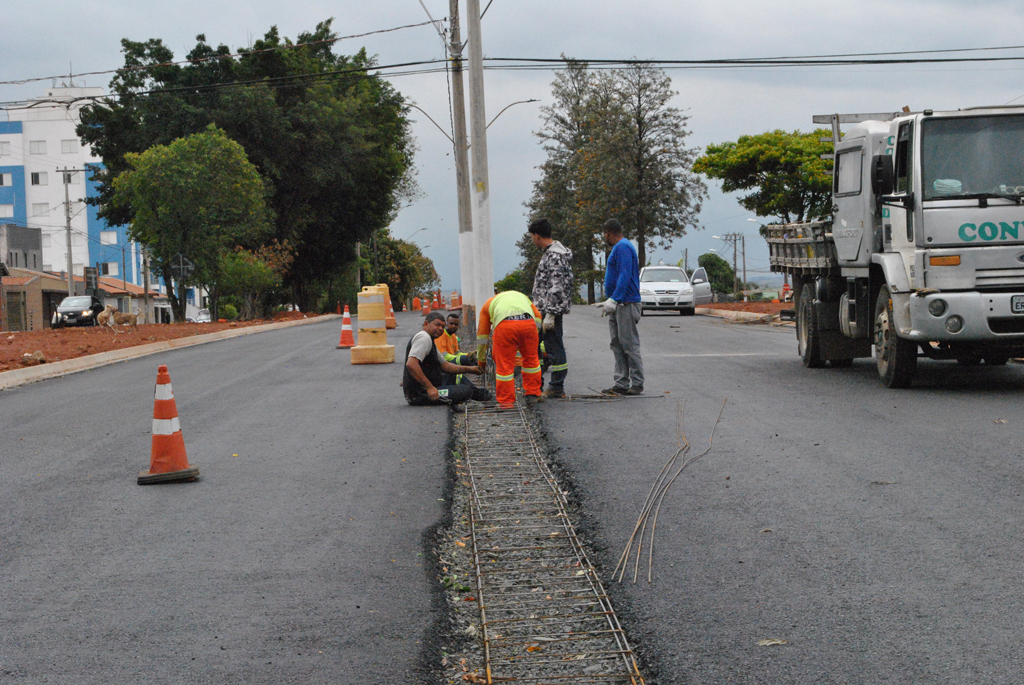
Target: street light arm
[433,122]
[507,106]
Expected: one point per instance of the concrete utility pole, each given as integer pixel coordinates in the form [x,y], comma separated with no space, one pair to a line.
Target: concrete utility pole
[145,283]
[467,244]
[481,191]
[67,222]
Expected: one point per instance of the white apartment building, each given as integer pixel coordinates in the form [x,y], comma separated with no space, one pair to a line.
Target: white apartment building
[37,142]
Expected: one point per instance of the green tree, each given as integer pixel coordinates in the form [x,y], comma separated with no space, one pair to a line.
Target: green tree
[517,280]
[785,170]
[332,140]
[650,165]
[251,275]
[721,275]
[569,191]
[401,266]
[615,149]
[197,197]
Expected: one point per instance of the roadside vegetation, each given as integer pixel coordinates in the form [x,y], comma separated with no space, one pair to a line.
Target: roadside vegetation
[321,152]
[615,148]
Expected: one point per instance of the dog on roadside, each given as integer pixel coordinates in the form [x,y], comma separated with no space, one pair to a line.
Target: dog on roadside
[130,320]
[104,317]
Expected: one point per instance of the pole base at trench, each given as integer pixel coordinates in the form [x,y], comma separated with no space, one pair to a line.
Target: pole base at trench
[189,474]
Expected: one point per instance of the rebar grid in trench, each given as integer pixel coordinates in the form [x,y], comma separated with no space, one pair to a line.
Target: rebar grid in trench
[544,615]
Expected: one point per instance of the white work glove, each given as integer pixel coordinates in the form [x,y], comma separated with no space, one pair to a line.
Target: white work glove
[607,307]
[549,322]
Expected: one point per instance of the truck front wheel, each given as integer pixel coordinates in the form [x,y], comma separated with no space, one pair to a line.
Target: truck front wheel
[808,340]
[896,357]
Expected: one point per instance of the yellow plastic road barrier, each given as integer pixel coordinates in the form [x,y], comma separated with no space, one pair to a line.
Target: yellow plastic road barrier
[373,345]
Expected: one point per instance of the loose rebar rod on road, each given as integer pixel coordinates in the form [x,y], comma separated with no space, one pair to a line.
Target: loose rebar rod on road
[544,614]
[656,496]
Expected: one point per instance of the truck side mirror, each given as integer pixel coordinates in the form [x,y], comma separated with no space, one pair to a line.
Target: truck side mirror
[881,175]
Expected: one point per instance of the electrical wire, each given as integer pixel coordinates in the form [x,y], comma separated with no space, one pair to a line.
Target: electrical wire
[126,70]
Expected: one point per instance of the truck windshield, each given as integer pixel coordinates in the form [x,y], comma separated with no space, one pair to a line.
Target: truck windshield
[971,156]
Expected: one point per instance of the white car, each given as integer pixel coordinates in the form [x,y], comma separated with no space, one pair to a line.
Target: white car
[668,288]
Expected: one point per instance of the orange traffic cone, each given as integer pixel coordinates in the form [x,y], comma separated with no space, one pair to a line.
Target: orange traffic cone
[389,320]
[167,462]
[339,307]
[346,332]
[416,306]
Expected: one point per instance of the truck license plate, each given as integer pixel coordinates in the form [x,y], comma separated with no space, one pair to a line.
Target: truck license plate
[1017,304]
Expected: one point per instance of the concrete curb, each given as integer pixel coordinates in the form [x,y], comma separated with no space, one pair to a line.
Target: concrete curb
[731,315]
[12,379]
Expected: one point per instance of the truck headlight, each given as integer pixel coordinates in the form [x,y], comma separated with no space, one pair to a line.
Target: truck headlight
[954,324]
[937,307]
[645,292]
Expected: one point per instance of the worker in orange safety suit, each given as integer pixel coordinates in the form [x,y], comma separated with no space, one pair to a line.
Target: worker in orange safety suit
[514,320]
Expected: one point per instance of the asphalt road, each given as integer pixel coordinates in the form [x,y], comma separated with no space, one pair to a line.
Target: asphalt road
[296,558]
[876,531]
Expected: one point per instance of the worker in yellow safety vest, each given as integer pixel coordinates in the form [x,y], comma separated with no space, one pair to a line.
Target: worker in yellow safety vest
[514,320]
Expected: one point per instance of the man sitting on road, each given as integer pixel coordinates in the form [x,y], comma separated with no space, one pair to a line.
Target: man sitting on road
[423,378]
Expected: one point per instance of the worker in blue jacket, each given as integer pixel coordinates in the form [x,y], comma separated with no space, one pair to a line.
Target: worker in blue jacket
[622,285]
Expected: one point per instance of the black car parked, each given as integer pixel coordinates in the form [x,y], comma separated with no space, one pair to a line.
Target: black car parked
[80,310]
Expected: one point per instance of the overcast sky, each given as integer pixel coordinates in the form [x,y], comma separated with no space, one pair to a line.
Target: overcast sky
[43,39]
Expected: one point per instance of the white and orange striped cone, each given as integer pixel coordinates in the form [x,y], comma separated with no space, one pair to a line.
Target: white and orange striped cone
[168,462]
[389,320]
[346,332]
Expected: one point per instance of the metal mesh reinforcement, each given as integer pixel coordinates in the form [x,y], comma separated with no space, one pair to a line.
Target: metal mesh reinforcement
[545,616]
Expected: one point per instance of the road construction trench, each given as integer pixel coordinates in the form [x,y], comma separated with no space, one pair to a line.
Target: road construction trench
[542,612]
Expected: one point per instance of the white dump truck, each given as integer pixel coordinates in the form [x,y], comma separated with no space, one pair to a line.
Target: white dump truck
[924,252]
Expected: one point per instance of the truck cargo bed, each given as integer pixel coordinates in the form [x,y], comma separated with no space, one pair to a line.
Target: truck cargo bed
[805,248]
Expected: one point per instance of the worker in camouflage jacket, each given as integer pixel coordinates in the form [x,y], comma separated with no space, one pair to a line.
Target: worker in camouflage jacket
[552,294]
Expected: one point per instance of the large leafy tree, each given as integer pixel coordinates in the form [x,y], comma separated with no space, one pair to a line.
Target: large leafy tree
[332,141]
[615,148]
[196,199]
[570,191]
[651,166]
[789,179]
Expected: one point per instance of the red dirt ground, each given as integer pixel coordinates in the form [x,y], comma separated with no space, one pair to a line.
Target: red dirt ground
[67,343]
[756,307]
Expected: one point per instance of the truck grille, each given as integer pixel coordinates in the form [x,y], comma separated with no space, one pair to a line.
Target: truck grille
[666,292]
[990,278]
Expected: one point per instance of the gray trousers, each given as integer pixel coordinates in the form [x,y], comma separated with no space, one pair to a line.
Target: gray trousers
[629,367]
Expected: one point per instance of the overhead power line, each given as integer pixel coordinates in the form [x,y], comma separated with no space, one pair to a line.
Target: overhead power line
[537,63]
[214,58]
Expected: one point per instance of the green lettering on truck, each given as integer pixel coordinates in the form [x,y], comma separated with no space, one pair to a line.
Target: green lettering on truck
[964,236]
[988,231]
[1008,230]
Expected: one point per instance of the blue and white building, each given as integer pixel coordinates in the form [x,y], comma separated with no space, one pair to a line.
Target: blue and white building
[37,142]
